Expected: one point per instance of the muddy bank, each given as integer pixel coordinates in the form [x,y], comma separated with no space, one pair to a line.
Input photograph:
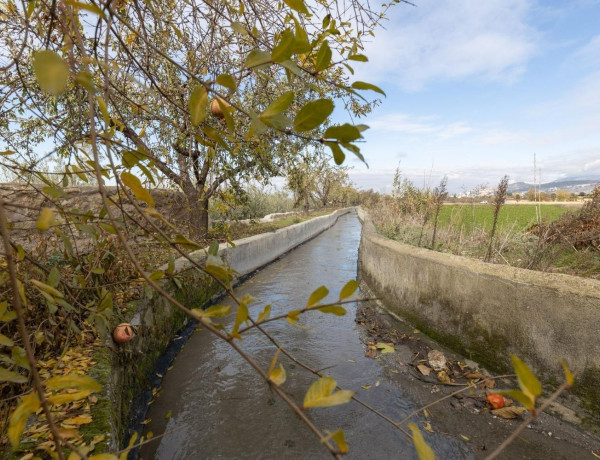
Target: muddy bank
[466,416]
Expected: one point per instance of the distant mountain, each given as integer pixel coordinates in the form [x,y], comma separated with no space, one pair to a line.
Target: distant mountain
[573,184]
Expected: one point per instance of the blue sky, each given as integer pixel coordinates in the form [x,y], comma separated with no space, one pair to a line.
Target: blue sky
[475,87]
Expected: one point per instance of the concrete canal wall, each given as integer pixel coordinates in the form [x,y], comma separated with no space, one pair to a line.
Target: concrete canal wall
[128,370]
[489,311]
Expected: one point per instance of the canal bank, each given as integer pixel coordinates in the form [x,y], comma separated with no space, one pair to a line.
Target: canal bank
[487,311]
[128,372]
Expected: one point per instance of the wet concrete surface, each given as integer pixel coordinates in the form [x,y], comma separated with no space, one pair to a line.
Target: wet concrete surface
[213,405]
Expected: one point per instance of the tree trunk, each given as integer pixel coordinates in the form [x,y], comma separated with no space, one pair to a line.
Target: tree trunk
[198,215]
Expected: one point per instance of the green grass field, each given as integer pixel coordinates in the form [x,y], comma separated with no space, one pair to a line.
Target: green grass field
[520,216]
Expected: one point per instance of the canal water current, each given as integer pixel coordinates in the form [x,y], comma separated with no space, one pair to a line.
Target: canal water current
[213,405]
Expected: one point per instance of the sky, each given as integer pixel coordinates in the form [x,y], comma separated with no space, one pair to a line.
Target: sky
[476,87]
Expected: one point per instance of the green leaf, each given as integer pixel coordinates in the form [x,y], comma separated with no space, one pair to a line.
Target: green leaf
[343,133]
[239,28]
[213,249]
[75,381]
[423,450]
[136,187]
[197,105]
[45,220]
[358,57]
[227,81]
[518,395]
[283,49]
[313,114]
[317,295]
[9,376]
[272,116]
[528,382]
[349,288]
[297,5]
[5,341]
[257,58]
[365,86]
[323,57]
[86,79]
[186,242]
[321,394]
[51,71]
[29,404]
[54,277]
[338,155]
[337,310]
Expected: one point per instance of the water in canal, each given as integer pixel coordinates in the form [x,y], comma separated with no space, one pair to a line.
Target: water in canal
[213,405]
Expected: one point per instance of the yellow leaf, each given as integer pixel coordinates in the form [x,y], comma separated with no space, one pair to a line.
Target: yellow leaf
[568,374]
[278,375]
[319,294]
[79,420]
[29,404]
[80,382]
[349,289]
[197,105]
[385,348]
[45,220]
[132,440]
[68,397]
[136,187]
[103,457]
[321,394]
[49,289]
[240,317]
[423,450]
[51,71]
[264,315]
[340,441]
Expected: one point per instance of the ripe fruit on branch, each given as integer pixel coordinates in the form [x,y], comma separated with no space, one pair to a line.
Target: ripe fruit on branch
[217,105]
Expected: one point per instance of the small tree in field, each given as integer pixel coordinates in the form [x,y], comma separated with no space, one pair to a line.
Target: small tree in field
[440,193]
[499,199]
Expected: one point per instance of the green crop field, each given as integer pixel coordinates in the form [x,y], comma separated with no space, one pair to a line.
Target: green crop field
[515,217]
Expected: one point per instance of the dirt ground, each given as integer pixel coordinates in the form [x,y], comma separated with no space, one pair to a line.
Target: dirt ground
[466,416]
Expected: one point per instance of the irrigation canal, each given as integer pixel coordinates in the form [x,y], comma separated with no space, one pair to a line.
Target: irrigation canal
[213,405]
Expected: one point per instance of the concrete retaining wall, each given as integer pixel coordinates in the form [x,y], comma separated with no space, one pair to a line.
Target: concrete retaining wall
[128,370]
[489,311]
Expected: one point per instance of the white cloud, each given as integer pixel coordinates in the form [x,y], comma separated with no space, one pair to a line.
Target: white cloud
[403,123]
[452,40]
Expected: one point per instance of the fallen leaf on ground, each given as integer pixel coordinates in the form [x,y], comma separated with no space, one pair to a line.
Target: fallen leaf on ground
[464,437]
[509,412]
[371,353]
[385,347]
[424,369]
[377,383]
[366,387]
[443,377]
[427,427]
